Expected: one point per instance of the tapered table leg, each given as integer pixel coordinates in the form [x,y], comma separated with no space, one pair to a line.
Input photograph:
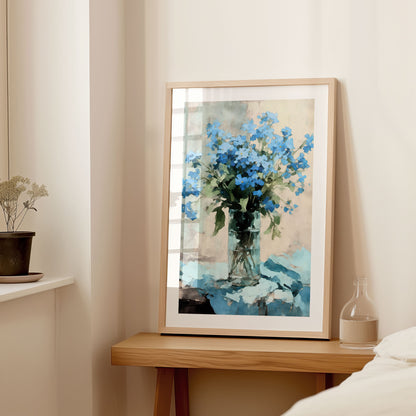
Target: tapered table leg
[181,392]
[164,384]
[323,381]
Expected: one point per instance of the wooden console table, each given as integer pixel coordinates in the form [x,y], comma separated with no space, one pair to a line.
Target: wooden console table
[174,355]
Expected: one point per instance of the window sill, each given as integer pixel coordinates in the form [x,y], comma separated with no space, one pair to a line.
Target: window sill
[9,291]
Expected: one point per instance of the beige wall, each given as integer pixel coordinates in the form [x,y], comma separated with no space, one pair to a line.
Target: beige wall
[107,148]
[140,279]
[368,45]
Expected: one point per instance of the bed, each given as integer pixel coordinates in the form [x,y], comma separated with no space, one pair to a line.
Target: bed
[385,387]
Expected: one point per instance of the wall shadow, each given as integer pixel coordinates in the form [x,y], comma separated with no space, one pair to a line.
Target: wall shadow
[350,245]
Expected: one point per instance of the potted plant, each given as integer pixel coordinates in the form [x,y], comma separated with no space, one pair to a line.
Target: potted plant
[17,196]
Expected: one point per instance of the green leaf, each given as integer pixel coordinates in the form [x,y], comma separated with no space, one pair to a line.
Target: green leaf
[243,204]
[232,197]
[275,233]
[210,208]
[273,227]
[231,186]
[275,198]
[210,191]
[269,228]
[222,177]
[278,180]
[229,177]
[219,220]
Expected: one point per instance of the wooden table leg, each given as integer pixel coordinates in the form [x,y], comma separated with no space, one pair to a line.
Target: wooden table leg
[323,381]
[181,392]
[329,380]
[164,384]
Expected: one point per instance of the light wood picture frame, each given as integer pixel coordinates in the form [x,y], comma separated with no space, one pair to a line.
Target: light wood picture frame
[247,223]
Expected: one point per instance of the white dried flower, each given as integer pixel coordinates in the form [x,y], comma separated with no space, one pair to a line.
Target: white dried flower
[10,192]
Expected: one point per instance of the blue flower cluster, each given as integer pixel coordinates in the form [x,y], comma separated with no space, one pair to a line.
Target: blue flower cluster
[270,205]
[288,207]
[190,185]
[241,171]
[189,212]
[193,158]
[251,181]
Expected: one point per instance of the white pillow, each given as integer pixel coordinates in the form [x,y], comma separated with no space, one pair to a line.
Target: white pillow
[385,387]
[400,345]
[391,394]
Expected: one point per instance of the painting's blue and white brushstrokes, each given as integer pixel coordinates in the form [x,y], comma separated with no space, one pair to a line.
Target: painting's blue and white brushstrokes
[283,288]
[247,208]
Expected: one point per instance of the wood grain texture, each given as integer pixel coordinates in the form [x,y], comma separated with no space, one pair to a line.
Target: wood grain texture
[320,382]
[163,393]
[243,332]
[330,204]
[165,211]
[316,356]
[250,83]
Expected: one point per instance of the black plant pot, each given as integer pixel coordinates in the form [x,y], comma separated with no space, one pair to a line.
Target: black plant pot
[15,250]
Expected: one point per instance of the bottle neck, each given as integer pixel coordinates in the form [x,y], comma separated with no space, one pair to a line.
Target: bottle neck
[360,287]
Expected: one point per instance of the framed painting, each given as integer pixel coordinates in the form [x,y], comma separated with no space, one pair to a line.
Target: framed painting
[248,208]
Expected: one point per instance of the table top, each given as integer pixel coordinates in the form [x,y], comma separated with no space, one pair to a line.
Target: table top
[297,355]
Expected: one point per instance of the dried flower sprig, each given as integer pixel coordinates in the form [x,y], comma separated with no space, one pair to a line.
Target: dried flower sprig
[10,193]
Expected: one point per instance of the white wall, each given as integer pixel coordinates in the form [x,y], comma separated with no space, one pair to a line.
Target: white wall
[28,377]
[3,92]
[369,46]
[50,143]
[67,131]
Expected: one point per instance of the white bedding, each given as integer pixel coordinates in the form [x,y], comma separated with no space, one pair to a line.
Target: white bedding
[385,387]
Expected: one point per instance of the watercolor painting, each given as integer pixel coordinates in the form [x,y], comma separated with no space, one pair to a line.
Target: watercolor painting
[246,198]
[247,233]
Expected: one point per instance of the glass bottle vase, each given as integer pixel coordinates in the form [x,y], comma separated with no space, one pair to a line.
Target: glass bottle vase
[243,247]
[358,319]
